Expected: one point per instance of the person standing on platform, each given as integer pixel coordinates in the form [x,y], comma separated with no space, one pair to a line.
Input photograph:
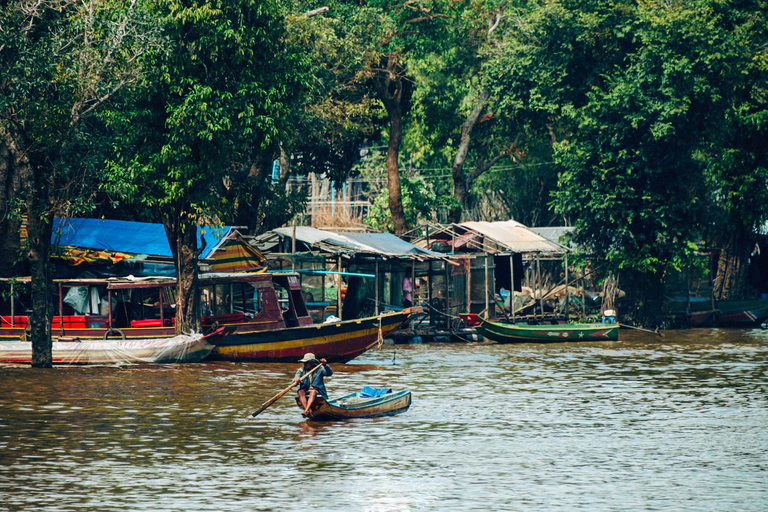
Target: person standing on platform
[407,292]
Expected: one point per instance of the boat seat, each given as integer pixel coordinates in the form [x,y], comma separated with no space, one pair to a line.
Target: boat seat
[154,322]
[18,321]
[229,318]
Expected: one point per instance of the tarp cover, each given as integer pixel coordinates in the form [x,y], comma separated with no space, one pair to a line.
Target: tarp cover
[178,349]
[125,237]
[369,392]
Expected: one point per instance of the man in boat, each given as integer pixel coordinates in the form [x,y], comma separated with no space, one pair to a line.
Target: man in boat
[314,385]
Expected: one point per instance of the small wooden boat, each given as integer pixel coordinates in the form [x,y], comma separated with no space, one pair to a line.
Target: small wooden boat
[178,349]
[516,333]
[356,406]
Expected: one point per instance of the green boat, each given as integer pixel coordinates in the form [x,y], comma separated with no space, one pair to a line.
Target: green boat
[515,333]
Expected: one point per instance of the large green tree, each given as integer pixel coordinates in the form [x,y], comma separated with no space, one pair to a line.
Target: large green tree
[734,67]
[635,167]
[62,62]
[207,121]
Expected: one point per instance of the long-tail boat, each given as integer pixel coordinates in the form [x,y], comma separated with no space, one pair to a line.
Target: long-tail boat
[357,405]
[518,333]
[264,325]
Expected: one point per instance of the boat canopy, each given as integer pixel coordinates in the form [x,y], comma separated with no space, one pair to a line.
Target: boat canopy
[119,236]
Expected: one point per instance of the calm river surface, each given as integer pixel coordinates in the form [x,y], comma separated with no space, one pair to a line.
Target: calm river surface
[679,423]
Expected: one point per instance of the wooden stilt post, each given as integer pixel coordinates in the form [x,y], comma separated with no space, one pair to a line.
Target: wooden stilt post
[567,301]
[486,287]
[338,286]
[512,286]
[540,286]
[376,294]
[13,312]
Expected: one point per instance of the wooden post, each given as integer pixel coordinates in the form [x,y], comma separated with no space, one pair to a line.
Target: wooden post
[109,309]
[338,286]
[61,309]
[486,288]
[567,301]
[469,286]
[447,288]
[512,286]
[376,281]
[161,307]
[293,249]
[215,313]
[583,294]
[429,293]
[540,285]
[12,306]
[232,298]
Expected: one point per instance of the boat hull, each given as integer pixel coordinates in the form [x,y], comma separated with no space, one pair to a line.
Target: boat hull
[511,333]
[699,312]
[179,349]
[352,406]
[336,342]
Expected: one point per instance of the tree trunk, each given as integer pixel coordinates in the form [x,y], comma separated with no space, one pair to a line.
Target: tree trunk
[733,266]
[9,222]
[610,291]
[389,86]
[35,184]
[181,231]
[393,172]
[39,231]
[460,181]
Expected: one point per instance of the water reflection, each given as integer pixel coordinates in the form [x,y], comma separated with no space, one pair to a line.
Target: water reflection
[673,423]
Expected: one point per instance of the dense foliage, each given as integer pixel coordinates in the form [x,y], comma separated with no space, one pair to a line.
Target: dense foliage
[642,123]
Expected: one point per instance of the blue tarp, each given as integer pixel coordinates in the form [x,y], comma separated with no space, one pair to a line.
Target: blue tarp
[369,392]
[123,236]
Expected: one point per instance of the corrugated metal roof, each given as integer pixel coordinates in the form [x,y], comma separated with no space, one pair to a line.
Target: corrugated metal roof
[385,244]
[556,234]
[514,236]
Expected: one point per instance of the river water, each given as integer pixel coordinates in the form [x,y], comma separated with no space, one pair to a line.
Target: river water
[679,423]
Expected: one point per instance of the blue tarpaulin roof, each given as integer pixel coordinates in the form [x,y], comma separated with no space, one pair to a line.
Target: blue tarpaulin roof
[123,236]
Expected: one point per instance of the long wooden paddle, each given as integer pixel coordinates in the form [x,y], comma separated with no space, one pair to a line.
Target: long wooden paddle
[277,396]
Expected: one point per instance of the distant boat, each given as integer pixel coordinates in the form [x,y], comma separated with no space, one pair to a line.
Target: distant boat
[178,349]
[518,333]
[356,406]
[705,312]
